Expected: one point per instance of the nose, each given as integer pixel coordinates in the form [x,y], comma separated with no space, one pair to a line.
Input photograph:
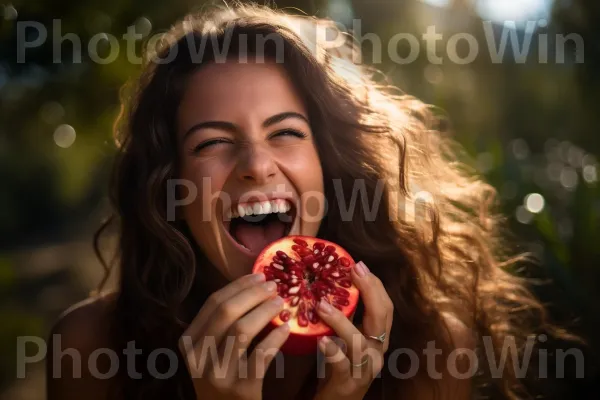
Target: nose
[255,165]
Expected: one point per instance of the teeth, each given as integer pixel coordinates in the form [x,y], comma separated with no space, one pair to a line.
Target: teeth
[266,207]
[259,208]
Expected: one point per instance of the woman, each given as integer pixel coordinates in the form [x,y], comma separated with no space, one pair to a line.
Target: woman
[249,99]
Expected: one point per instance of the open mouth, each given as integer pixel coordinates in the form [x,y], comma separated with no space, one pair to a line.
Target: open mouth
[254,225]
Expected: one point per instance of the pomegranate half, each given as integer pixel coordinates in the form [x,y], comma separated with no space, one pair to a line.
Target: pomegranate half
[306,270]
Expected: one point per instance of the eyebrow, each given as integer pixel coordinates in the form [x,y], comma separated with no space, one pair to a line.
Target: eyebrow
[229,126]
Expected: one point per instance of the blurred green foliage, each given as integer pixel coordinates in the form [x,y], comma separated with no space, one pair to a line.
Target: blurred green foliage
[530,127]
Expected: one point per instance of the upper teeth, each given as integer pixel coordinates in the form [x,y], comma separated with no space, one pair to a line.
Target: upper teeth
[259,208]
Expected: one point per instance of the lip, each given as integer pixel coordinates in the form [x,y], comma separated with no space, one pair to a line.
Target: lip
[225,222]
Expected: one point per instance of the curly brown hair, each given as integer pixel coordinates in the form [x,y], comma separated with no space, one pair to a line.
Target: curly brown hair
[435,240]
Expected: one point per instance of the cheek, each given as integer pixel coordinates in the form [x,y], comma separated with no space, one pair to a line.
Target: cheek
[307,175]
[208,177]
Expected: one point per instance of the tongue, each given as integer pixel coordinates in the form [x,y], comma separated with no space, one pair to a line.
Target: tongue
[255,237]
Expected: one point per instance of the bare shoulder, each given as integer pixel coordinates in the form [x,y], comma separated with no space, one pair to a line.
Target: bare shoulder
[85,324]
[75,365]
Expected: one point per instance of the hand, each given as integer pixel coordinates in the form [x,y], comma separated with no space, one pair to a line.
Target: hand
[345,377]
[215,343]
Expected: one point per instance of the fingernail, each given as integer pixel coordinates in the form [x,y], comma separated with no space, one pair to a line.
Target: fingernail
[364,266]
[325,307]
[258,277]
[270,286]
[278,300]
[323,342]
[285,327]
[360,269]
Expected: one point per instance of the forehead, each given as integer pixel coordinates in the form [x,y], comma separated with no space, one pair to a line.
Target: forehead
[238,92]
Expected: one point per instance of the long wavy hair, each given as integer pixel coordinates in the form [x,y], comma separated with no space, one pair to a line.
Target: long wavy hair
[434,238]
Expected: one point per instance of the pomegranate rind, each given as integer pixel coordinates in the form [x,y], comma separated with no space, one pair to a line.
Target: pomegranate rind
[303,339]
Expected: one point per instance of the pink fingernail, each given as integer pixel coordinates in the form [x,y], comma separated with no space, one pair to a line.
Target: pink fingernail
[360,269]
[325,307]
[364,266]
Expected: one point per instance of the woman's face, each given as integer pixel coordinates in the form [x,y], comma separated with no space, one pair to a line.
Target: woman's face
[246,147]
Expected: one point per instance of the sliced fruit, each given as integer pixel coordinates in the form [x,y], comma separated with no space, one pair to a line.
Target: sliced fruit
[307,270]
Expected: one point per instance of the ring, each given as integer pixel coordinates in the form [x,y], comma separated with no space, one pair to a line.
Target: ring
[366,360]
[380,338]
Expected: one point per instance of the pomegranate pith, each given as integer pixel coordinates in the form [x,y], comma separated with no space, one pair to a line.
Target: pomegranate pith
[307,270]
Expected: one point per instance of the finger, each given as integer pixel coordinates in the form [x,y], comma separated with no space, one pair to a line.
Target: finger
[218,297]
[356,343]
[230,311]
[266,351]
[235,307]
[335,357]
[243,331]
[375,316]
[389,305]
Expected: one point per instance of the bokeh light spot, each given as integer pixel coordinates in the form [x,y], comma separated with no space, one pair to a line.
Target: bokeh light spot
[534,202]
[590,174]
[569,178]
[523,215]
[64,136]
[520,149]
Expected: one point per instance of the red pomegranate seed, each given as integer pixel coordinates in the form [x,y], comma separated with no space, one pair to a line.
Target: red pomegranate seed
[294,290]
[303,251]
[330,284]
[277,260]
[344,262]
[302,321]
[319,246]
[341,292]
[285,315]
[276,266]
[312,317]
[341,300]
[281,255]
[301,242]
[329,249]
[289,262]
[344,283]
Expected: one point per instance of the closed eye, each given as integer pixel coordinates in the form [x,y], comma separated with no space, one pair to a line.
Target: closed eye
[209,143]
[289,132]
